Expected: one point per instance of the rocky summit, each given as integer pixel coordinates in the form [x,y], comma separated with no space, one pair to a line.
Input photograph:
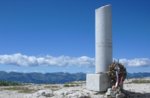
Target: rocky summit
[77,89]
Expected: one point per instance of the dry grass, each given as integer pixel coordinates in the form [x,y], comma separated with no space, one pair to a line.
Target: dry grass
[20,89]
[52,87]
[140,81]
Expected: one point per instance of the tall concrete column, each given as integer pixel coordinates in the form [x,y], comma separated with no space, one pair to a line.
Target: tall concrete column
[103,38]
[103,50]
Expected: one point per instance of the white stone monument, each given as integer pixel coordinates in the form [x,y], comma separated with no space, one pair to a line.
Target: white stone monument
[103,50]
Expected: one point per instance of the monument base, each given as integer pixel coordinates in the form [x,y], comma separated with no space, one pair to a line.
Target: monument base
[97,82]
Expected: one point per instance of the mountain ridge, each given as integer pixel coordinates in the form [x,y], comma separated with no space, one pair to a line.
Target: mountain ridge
[54,78]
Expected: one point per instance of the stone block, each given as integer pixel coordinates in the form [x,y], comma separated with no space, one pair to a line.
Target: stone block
[97,82]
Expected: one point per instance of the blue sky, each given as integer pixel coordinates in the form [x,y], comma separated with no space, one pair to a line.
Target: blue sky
[36,35]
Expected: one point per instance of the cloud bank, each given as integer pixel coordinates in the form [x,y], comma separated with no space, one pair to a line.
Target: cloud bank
[136,62]
[24,60]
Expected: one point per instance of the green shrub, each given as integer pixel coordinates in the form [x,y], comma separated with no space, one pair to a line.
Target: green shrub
[66,85]
[8,83]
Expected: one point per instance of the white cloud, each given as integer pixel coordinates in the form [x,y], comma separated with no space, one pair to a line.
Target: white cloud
[24,60]
[136,62]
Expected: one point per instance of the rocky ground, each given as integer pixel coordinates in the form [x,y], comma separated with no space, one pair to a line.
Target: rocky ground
[70,90]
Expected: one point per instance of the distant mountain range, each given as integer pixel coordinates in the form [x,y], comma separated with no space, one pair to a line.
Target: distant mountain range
[34,77]
[58,77]
[138,75]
